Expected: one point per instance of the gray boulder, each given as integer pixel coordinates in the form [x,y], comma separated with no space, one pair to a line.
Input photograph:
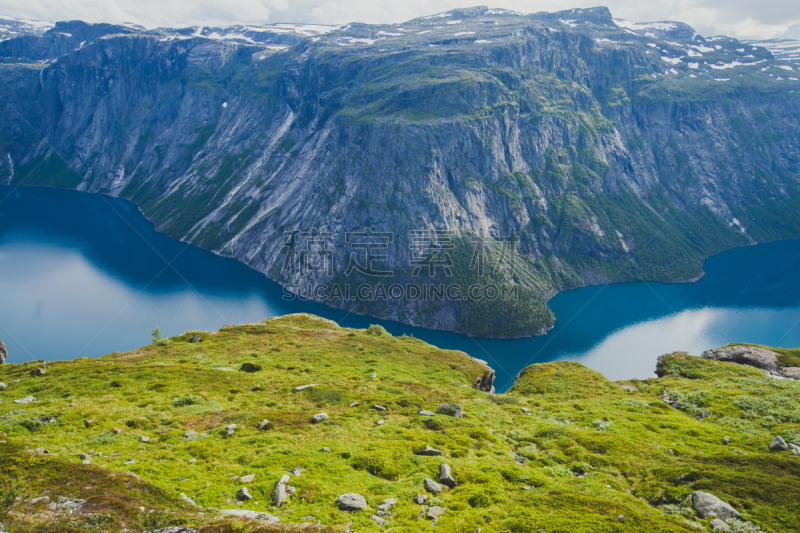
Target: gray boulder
[2,386]
[301,388]
[421,499]
[429,451]
[264,424]
[229,430]
[248,478]
[432,486]
[450,409]
[708,505]
[387,504]
[795,448]
[351,502]
[423,412]
[3,353]
[316,419]
[243,494]
[26,399]
[252,515]
[719,525]
[791,372]
[279,493]
[379,408]
[435,512]
[745,355]
[445,477]
[778,445]
[380,521]
[195,338]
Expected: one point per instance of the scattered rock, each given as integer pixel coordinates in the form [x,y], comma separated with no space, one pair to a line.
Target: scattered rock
[435,512]
[89,422]
[708,505]
[719,525]
[445,477]
[229,430]
[298,470]
[421,499]
[423,412]
[195,338]
[387,504]
[190,433]
[778,445]
[3,353]
[180,529]
[525,410]
[354,404]
[520,459]
[252,515]
[243,494]
[791,372]
[429,451]
[145,439]
[192,461]
[3,386]
[83,456]
[248,478]
[379,520]
[304,387]
[264,424]
[379,408]
[373,376]
[745,355]
[188,500]
[381,422]
[71,505]
[351,502]
[316,419]
[279,494]
[37,372]
[37,500]
[130,462]
[326,450]
[450,409]
[26,399]
[432,486]
[621,519]
[726,440]
[795,448]
[485,383]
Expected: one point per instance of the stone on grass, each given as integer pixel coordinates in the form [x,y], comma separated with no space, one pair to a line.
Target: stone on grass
[248,478]
[380,521]
[525,410]
[145,439]
[381,422]
[252,515]
[795,448]
[450,409]
[423,412]
[373,376]
[188,500]
[316,419]
[3,386]
[429,451]
[708,505]
[326,450]
[195,338]
[432,486]
[353,404]
[435,512]
[3,353]
[351,502]
[387,504]
[719,525]
[229,430]
[243,494]
[745,355]
[791,372]
[726,440]
[264,424]
[445,477]
[37,372]
[301,388]
[26,399]
[379,408]
[190,433]
[421,499]
[279,494]
[778,445]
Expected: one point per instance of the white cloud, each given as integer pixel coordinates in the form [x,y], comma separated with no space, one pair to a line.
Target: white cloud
[737,18]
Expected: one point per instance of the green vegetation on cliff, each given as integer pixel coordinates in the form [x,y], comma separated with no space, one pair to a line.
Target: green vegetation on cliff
[564,450]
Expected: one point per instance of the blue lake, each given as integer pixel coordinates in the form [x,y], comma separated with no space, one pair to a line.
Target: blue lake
[86,275]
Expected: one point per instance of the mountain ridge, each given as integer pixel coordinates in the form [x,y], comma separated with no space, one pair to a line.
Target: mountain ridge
[602,153]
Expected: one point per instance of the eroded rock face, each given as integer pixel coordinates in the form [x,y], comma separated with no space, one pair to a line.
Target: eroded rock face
[3,353]
[708,505]
[745,355]
[485,383]
[791,372]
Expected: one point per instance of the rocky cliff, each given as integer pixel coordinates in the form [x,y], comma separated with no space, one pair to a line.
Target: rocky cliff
[452,172]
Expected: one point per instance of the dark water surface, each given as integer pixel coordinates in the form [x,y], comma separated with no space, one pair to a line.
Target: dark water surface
[86,275]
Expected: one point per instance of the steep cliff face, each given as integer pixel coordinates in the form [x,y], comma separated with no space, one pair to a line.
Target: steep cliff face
[493,156]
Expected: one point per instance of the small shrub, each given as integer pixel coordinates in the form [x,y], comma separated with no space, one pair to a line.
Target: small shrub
[529,451]
[377,330]
[502,399]
[250,368]
[185,400]
[115,384]
[377,465]
[326,396]
[158,338]
[559,471]
[634,403]
[601,425]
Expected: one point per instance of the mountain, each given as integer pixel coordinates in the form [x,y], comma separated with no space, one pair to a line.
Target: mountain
[171,434]
[452,172]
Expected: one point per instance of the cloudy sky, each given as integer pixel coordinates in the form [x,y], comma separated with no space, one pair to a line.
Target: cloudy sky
[737,18]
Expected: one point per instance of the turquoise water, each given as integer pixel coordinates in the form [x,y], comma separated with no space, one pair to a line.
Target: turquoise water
[85,275]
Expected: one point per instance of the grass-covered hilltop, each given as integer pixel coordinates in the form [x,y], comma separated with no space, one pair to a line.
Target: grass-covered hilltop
[205,434]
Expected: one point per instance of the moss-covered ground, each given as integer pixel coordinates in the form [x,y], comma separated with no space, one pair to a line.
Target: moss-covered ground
[597,457]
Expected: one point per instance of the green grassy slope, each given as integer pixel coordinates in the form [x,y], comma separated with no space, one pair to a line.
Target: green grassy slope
[598,458]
